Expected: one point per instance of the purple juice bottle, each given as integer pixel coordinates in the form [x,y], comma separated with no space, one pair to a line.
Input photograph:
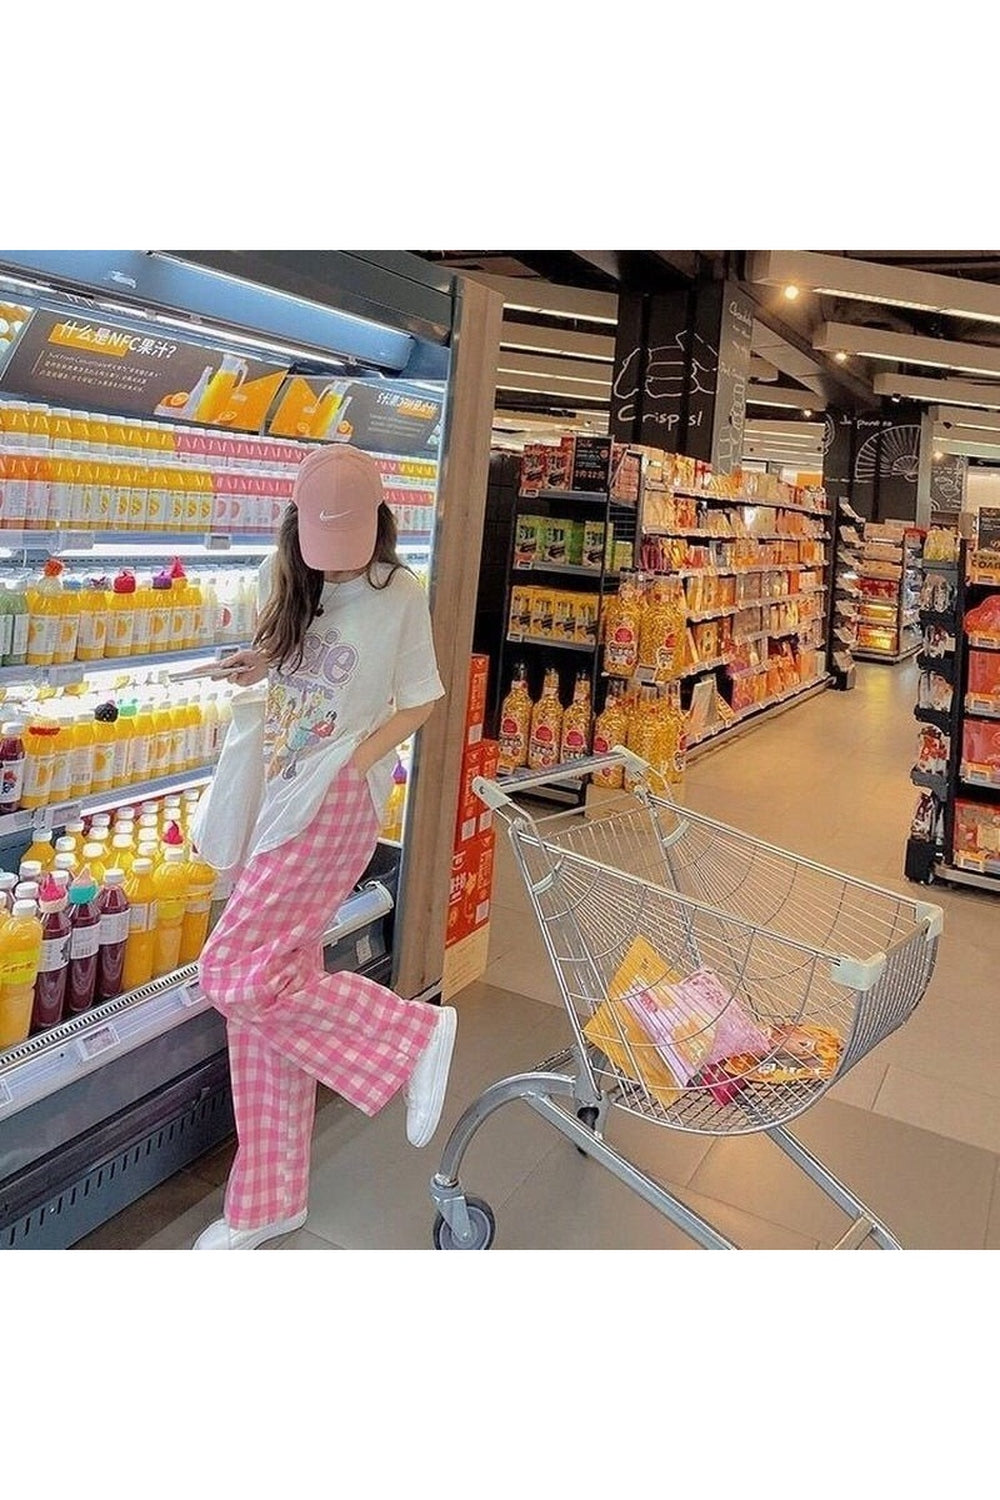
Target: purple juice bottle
[84,944]
[53,968]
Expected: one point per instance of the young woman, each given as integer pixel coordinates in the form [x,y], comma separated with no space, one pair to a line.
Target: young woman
[344,641]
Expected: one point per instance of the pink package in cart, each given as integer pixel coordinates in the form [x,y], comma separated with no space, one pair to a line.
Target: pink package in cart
[696,1023]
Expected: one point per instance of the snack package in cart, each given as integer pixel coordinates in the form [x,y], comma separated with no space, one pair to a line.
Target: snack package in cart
[621,1038]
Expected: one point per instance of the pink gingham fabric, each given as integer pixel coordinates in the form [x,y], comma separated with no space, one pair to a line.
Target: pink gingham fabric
[290,1023]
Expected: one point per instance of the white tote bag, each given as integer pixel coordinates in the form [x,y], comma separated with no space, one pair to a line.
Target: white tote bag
[229,806]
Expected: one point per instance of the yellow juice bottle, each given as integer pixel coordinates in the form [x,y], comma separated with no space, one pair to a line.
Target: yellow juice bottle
[122,852]
[160,613]
[100,437]
[79,429]
[194,929]
[171,883]
[104,748]
[121,615]
[142,611]
[178,736]
[103,505]
[39,764]
[141,939]
[74,832]
[83,740]
[85,494]
[62,429]
[176,489]
[121,497]
[20,956]
[95,857]
[62,760]
[41,851]
[156,483]
[44,605]
[206,501]
[163,729]
[68,622]
[194,720]
[138,497]
[121,773]
[142,745]
[93,637]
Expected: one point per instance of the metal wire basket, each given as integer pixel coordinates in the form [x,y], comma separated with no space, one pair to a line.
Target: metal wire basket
[805,954]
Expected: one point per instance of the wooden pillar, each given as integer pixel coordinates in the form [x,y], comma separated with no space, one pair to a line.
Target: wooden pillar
[426,871]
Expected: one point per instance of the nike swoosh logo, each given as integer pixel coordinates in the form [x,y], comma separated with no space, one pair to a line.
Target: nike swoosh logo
[338,516]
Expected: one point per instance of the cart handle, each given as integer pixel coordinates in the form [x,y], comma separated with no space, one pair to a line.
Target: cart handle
[497,795]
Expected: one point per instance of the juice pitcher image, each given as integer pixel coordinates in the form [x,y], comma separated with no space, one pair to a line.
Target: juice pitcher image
[325,412]
[218,393]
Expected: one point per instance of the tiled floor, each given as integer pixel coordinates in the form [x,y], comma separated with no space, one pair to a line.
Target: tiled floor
[914,1128]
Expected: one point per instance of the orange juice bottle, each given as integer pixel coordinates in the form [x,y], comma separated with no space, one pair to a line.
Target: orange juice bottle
[39,764]
[95,857]
[61,429]
[44,608]
[194,929]
[93,637]
[546,725]
[178,736]
[156,498]
[83,486]
[79,427]
[121,615]
[62,760]
[102,504]
[105,721]
[143,617]
[121,496]
[182,607]
[20,956]
[100,438]
[40,427]
[176,490]
[122,852]
[41,851]
[62,492]
[171,882]
[68,622]
[15,499]
[160,613]
[117,438]
[121,769]
[162,744]
[37,496]
[16,424]
[142,745]
[139,947]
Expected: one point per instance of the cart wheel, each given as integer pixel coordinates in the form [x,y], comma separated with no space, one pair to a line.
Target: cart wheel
[588,1115]
[484,1228]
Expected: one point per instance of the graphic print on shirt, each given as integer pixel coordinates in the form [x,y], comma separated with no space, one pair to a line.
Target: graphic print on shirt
[301,716]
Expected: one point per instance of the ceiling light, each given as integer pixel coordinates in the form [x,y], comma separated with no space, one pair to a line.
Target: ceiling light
[874,282]
[807,412]
[791,291]
[938,454]
[841,356]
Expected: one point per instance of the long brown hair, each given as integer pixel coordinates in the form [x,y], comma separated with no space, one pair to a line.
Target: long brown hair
[296,589]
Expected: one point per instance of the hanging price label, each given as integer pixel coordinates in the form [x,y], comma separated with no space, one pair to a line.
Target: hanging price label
[93,1043]
[216,542]
[6,1097]
[189,994]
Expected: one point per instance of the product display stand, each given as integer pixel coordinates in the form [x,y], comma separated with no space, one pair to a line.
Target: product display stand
[889,578]
[956,834]
[846,594]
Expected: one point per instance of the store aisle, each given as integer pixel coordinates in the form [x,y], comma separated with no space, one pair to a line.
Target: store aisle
[915,1127]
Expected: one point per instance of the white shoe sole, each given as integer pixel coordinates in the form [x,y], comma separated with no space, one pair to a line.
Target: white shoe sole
[445,1041]
[213,1237]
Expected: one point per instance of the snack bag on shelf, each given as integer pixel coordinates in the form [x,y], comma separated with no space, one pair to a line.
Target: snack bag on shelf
[925,817]
[984,674]
[526,541]
[981,745]
[542,612]
[934,691]
[933,750]
[521,601]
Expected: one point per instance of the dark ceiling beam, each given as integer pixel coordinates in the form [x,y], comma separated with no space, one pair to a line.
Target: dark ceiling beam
[839,386]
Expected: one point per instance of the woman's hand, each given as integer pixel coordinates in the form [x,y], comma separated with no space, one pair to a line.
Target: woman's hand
[244,668]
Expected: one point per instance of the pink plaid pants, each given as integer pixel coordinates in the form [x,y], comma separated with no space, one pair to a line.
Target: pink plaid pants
[290,1023]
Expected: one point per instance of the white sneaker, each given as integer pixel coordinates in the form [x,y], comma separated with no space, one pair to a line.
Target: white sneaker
[219,1236]
[425,1091]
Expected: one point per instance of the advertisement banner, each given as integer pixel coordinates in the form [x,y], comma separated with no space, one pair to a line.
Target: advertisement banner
[80,361]
[372,415]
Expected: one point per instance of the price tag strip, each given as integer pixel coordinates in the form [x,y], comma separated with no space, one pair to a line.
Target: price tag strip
[93,1043]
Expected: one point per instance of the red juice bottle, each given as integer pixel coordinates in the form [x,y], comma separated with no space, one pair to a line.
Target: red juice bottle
[53,968]
[113,905]
[11,767]
[84,943]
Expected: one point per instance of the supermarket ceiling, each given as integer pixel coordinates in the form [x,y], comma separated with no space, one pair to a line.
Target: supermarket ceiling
[833,327]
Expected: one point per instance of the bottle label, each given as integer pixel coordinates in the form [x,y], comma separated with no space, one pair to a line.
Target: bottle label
[139,917]
[19,968]
[104,759]
[85,941]
[119,761]
[198,904]
[114,928]
[55,954]
[93,631]
[19,644]
[140,637]
[6,635]
[11,780]
[140,758]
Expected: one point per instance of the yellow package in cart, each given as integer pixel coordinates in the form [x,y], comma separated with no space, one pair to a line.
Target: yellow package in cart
[615,1031]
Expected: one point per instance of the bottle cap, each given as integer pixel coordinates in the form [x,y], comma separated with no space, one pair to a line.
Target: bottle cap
[29,868]
[78,826]
[24,909]
[26,890]
[83,888]
[162,581]
[141,866]
[50,894]
[53,568]
[124,582]
[62,879]
[101,820]
[65,845]
[172,836]
[8,881]
[64,862]
[93,851]
[13,729]
[121,841]
[114,877]
[174,855]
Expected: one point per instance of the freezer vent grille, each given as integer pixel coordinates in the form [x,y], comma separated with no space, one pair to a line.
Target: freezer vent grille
[111,1186]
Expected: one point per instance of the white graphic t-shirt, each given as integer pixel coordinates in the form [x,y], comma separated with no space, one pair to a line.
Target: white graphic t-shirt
[367,655]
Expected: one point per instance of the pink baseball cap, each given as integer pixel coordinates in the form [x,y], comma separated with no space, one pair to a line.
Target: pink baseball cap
[338,490]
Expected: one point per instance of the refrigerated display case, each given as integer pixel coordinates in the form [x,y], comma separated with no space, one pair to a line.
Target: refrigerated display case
[153,410]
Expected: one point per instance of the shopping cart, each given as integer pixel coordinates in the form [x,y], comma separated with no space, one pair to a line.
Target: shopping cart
[778,976]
